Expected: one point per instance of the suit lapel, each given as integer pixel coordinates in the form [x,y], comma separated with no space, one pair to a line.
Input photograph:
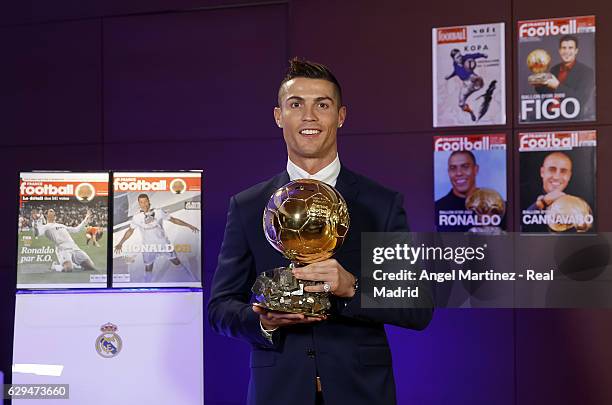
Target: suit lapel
[280,180]
[347,185]
[275,183]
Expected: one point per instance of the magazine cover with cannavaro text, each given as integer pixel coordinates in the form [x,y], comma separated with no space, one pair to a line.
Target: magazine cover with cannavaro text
[157,229]
[470,183]
[557,175]
[62,230]
[469,75]
[556,70]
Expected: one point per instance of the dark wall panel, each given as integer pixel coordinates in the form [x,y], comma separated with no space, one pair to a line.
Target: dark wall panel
[463,357]
[402,162]
[50,80]
[199,75]
[563,357]
[8,280]
[36,11]
[604,175]
[382,54]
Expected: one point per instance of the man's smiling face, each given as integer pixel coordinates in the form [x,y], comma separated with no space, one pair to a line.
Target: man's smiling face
[309,115]
[556,172]
[568,51]
[462,173]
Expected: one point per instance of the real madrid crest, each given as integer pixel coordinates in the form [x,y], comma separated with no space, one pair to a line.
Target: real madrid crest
[108,344]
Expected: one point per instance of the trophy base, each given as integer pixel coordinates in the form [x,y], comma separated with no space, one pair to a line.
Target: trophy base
[539,79]
[279,290]
[312,314]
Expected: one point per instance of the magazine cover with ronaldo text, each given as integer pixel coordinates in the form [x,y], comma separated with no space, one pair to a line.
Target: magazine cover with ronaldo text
[62,230]
[470,183]
[157,229]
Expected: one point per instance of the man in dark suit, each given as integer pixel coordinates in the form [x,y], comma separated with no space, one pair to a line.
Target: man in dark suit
[343,358]
[572,78]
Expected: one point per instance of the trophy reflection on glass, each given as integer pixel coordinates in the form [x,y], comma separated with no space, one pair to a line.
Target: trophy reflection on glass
[306,220]
[538,61]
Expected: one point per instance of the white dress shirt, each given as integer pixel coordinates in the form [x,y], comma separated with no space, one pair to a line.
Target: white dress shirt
[328,174]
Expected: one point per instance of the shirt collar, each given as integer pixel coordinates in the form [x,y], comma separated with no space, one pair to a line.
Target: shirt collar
[328,174]
[568,66]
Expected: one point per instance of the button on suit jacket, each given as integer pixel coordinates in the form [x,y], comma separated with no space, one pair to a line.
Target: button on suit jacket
[349,351]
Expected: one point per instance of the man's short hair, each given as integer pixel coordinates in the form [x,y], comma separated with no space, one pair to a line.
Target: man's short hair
[310,70]
[143,196]
[467,152]
[569,38]
[558,153]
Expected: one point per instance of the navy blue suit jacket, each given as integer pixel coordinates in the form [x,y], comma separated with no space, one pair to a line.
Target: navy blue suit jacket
[579,83]
[349,351]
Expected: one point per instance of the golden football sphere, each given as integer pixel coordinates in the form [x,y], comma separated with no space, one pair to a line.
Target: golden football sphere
[306,220]
[538,61]
[485,201]
[571,207]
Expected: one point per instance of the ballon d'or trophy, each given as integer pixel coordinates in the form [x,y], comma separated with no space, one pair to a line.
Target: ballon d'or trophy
[486,203]
[570,206]
[306,220]
[538,61]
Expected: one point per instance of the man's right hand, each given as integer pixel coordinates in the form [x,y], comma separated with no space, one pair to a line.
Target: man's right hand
[118,248]
[552,197]
[274,319]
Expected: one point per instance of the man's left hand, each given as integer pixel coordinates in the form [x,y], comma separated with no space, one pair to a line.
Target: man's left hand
[341,282]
